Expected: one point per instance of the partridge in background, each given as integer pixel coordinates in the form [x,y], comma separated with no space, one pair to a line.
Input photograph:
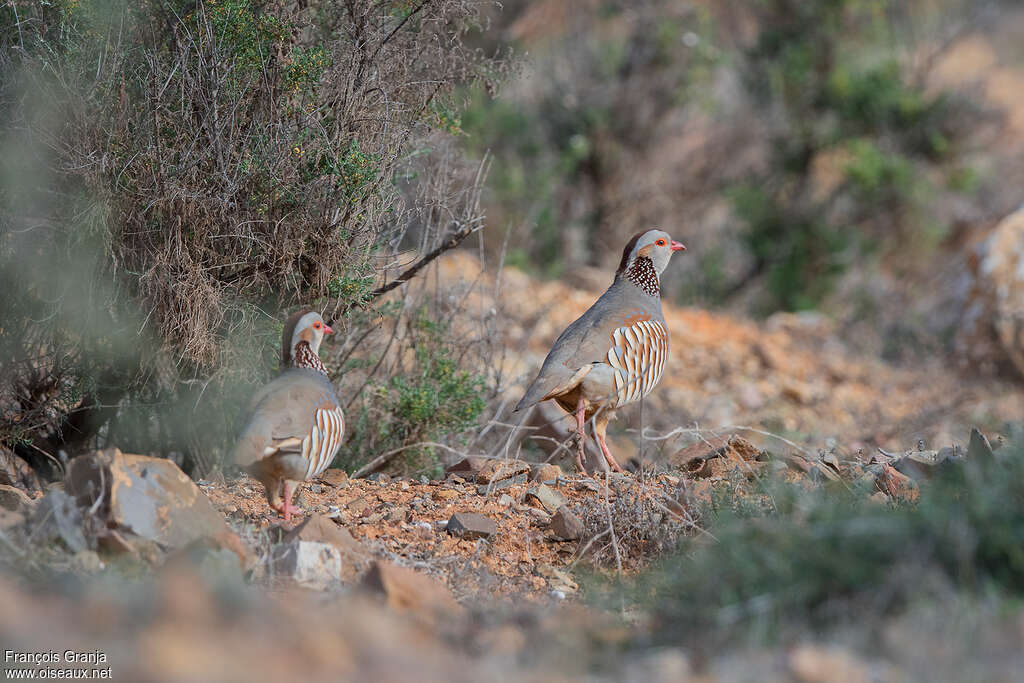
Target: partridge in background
[613,354]
[295,423]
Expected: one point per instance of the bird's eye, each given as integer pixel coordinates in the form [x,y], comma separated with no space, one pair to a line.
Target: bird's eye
[660,243]
[316,325]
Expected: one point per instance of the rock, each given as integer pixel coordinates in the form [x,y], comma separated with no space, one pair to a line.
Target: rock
[735,447]
[16,472]
[558,579]
[358,507]
[496,470]
[309,564]
[898,485]
[500,485]
[925,464]
[505,500]
[566,525]
[470,525]
[57,517]
[124,542]
[467,468]
[979,448]
[14,499]
[87,561]
[547,497]
[409,590]
[817,664]
[992,326]
[546,473]
[225,549]
[321,529]
[447,494]
[335,477]
[151,497]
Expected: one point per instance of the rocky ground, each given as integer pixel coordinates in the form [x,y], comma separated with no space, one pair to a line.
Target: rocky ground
[485,571]
[476,574]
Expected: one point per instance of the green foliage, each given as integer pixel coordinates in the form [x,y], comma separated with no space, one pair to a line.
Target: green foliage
[226,147]
[817,64]
[800,257]
[425,401]
[879,176]
[824,559]
[307,66]
[253,35]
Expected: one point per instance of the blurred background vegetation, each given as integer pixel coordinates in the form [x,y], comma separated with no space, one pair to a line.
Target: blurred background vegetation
[178,173]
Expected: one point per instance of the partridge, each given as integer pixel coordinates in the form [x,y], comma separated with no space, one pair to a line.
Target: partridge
[295,423]
[615,353]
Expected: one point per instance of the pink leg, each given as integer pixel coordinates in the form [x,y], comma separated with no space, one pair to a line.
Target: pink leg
[286,503]
[580,422]
[600,425]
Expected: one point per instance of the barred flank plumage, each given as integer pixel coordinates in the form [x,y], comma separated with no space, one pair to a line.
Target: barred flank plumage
[638,358]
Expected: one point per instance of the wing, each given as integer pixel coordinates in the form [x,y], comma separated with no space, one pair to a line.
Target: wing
[587,341]
[297,413]
[638,356]
[324,439]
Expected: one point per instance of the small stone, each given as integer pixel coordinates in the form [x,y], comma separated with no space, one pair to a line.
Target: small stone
[898,485]
[398,514]
[547,497]
[320,529]
[316,488]
[358,506]
[470,525]
[87,561]
[566,525]
[817,664]
[497,470]
[309,564]
[424,530]
[467,467]
[505,500]
[14,499]
[979,448]
[16,472]
[546,473]
[409,590]
[335,477]
[499,485]
[447,494]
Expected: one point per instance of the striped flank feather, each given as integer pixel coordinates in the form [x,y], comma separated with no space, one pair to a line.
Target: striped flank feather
[323,440]
[638,358]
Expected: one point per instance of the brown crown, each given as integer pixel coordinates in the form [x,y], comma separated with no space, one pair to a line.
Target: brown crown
[286,336]
[628,250]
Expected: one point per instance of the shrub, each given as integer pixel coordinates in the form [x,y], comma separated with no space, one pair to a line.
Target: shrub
[185,171]
[827,559]
[424,398]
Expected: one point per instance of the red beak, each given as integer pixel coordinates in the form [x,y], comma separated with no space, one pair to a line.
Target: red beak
[678,246]
[327,329]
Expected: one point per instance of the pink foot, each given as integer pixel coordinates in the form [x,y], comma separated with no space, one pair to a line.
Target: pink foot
[286,506]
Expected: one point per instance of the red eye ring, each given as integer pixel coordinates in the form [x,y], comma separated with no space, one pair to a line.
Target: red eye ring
[316,325]
[660,243]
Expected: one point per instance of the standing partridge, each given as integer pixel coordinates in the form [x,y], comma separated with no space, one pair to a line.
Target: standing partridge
[295,423]
[613,354]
